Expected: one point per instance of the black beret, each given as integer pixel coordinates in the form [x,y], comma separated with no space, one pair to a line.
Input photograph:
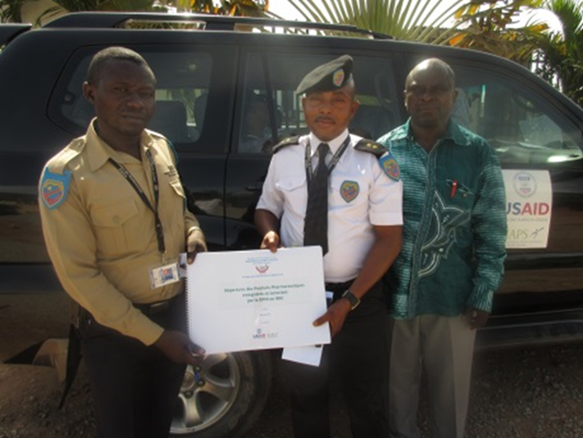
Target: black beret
[327,77]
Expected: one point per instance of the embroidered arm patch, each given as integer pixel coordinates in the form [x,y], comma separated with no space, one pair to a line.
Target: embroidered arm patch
[54,188]
[390,166]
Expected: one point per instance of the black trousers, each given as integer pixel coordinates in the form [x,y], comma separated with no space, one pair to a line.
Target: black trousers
[358,356]
[134,387]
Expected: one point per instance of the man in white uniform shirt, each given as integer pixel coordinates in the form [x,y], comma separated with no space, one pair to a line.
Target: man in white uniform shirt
[350,205]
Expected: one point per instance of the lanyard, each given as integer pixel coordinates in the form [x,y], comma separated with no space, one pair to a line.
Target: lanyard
[335,159]
[132,181]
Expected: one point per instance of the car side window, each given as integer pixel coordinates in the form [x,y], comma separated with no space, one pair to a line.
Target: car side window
[271,111]
[522,127]
[183,83]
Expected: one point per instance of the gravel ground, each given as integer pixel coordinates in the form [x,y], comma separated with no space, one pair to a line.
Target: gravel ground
[534,392]
[526,392]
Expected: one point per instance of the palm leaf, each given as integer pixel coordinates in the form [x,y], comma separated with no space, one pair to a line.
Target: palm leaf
[402,19]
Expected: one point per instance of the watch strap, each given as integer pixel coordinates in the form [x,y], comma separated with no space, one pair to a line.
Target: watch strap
[352,299]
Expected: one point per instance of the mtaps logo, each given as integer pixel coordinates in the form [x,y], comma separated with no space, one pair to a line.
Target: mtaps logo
[262,269]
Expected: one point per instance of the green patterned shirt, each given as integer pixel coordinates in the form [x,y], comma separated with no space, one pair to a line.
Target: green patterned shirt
[454,228]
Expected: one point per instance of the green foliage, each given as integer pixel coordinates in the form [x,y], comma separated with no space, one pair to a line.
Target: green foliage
[484,25]
[64,6]
[562,52]
[249,8]
[10,11]
[402,19]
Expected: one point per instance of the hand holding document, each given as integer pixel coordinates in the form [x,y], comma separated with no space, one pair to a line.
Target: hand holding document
[253,300]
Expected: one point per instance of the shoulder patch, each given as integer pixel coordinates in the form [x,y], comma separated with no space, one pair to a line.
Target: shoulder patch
[54,188]
[390,166]
[371,147]
[290,141]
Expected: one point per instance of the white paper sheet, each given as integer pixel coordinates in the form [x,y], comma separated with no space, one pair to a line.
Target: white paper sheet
[529,206]
[310,355]
[252,300]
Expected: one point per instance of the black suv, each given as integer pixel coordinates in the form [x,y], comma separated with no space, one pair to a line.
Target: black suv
[213,72]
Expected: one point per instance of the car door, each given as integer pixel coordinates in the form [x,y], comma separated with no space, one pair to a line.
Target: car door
[537,134]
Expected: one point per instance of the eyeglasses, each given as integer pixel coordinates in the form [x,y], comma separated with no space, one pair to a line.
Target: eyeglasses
[420,91]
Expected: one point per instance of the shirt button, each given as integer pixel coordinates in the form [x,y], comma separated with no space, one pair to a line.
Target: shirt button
[116,219]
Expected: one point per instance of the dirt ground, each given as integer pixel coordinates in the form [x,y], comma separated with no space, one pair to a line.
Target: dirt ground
[525,392]
[29,395]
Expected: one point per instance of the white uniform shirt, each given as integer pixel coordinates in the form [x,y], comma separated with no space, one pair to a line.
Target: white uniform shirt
[350,218]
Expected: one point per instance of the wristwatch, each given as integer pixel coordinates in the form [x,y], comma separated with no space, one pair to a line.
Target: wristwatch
[352,299]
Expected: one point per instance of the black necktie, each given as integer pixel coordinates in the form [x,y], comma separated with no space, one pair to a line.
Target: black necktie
[316,220]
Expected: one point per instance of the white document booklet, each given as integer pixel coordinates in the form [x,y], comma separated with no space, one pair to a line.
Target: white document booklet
[253,300]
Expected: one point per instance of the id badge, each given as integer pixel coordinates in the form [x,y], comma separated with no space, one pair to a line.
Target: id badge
[164,275]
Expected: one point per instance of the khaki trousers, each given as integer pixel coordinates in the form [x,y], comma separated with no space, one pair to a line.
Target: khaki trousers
[441,347]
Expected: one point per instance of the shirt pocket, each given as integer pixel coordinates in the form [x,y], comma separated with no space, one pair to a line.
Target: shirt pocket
[293,188]
[117,229]
[178,189]
[460,194]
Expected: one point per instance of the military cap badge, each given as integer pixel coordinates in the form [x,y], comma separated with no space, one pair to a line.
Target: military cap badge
[327,77]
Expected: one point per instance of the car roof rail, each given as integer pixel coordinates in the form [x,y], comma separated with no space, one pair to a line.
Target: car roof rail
[10,31]
[201,21]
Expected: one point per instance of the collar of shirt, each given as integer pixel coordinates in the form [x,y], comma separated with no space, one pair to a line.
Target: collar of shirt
[334,143]
[98,151]
[454,133]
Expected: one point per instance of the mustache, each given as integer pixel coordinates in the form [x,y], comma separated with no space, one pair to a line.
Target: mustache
[140,114]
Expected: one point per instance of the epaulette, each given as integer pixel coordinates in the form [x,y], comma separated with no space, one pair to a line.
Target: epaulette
[386,159]
[290,141]
[170,144]
[372,147]
[59,162]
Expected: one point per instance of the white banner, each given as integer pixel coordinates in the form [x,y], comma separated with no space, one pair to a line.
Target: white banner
[252,300]
[529,202]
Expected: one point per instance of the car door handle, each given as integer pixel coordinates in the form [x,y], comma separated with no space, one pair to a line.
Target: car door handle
[254,187]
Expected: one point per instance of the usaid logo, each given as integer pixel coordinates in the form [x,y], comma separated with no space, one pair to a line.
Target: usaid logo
[260,335]
[524,184]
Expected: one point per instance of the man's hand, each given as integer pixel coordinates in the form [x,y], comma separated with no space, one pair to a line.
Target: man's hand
[475,318]
[195,244]
[270,241]
[335,315]
[179,348]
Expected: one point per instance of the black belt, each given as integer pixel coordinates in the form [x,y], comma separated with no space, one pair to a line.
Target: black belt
[339,288]
[157,307]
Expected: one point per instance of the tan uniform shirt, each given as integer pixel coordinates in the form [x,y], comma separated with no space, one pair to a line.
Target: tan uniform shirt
[101,238]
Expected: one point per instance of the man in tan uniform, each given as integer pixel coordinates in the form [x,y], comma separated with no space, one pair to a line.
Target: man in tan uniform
[114,220]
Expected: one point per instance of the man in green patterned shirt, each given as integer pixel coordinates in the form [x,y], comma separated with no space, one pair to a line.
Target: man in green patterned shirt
[441,285]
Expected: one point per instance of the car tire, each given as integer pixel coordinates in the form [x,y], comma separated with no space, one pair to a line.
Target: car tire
[223,396]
